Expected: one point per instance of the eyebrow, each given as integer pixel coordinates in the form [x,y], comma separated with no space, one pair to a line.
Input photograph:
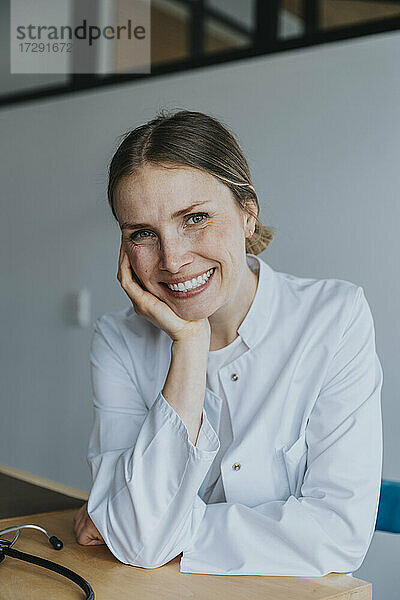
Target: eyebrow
[127,225]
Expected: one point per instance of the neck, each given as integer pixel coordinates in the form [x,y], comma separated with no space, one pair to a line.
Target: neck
[226,320]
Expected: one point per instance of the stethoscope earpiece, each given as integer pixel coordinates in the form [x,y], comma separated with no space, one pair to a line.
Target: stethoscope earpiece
[56,543]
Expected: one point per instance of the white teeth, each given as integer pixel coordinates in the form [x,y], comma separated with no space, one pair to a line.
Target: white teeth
[191,284]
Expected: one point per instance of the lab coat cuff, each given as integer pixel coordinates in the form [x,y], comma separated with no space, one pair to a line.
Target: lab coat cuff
[208,442]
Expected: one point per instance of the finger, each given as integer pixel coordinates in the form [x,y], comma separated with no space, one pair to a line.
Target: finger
[83,539]
[78,514]
[124,271]
[79,529]
[89,535]
[93,529]
[87,524]
[121,254]
[81,512]
[93,543]
[84,525]
[128,283]
[77,522]
[126,266]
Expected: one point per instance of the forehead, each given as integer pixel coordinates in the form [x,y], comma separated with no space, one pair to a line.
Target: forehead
[161,190]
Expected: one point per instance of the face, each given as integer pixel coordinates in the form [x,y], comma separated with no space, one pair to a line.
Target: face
[177,224]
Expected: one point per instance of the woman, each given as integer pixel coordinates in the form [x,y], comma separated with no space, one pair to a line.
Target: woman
[237,409]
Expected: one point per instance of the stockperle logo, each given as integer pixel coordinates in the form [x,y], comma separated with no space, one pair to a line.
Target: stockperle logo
[97,36]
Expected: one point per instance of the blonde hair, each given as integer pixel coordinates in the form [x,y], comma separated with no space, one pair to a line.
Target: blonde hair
[193,139]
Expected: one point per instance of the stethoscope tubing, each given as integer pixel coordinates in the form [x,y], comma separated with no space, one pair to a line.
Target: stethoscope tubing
[47,564]
[6,550]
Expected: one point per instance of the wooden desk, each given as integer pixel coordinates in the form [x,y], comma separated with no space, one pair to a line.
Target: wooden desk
[111,579]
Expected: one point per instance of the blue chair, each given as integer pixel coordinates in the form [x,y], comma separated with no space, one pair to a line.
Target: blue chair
[388,518]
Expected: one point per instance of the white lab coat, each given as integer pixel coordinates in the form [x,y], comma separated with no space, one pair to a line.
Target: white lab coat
[304,402]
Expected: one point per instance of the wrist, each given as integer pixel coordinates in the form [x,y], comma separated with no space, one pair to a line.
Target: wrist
[195,332]
[198,346]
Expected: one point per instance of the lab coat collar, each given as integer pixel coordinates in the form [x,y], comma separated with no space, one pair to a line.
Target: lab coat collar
[254,326]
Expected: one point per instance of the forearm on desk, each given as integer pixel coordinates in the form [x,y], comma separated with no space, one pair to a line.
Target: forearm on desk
[146,471]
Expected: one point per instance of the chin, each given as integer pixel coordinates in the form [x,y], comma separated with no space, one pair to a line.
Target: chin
[192,314]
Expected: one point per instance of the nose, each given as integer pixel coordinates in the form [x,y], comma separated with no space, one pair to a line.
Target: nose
[174,254]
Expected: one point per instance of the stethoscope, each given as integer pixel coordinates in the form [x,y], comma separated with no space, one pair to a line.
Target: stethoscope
[7,550]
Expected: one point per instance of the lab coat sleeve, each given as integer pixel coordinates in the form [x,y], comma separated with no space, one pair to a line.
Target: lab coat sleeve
[329,526]
[145,470]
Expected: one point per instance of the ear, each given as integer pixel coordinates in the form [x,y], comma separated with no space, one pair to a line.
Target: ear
[249,221]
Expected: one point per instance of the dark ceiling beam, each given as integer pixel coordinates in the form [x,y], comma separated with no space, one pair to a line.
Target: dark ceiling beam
[266,20]
[196,29]
[311,16]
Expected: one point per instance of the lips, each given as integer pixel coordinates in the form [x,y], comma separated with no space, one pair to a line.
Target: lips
[186,279]
[190,293]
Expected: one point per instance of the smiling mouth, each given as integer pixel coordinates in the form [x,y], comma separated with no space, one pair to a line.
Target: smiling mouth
[191,284]
[196,288]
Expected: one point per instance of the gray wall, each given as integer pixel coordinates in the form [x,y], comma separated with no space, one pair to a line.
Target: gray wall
[321,129]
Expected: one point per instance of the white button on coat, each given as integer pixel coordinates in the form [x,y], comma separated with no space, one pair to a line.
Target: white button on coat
[306,423]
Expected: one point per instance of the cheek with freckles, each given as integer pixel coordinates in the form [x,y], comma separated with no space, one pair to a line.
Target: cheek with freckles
[224,241]
[222,233]
[141,262]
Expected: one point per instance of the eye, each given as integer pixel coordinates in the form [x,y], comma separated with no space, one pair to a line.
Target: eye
[136,235]
[139,235]
[194,215]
